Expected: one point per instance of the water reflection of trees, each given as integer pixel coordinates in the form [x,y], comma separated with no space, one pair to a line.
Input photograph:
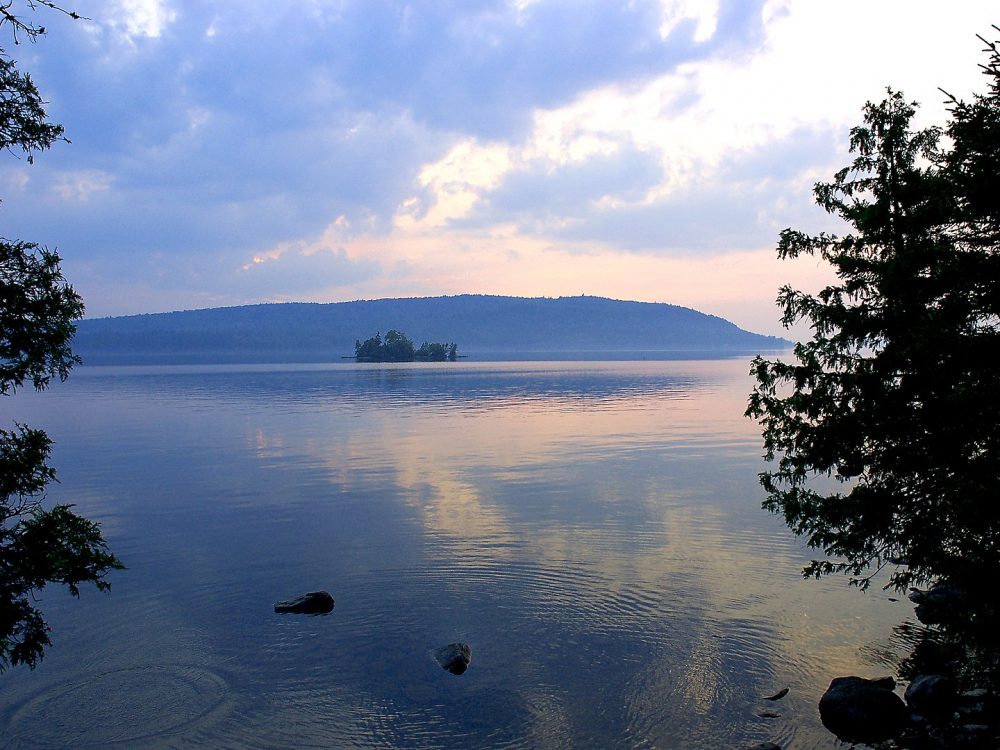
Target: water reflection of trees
[955,650]
[962,643]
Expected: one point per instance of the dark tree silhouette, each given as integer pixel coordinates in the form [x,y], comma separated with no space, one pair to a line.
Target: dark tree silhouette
[884,428]
[397,347]
[38,546]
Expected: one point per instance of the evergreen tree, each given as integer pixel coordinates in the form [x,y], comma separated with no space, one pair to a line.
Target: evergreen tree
[885,427]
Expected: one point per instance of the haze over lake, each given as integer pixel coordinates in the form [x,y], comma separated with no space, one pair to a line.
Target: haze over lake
[591,529]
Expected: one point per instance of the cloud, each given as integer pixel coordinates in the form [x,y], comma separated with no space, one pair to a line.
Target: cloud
[141,18]
[541,196]
[289,272]
[215,193]
[582,182]
[453,142]
[297,271]
[81,186]
[741,204]
[481,68]
[712,155]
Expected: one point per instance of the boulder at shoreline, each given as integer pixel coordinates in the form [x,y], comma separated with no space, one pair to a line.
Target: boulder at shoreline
[860,710]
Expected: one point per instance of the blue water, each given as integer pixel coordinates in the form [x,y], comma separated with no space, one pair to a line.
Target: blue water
[593,531]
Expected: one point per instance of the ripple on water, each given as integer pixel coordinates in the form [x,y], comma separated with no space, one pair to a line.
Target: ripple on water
[120,708]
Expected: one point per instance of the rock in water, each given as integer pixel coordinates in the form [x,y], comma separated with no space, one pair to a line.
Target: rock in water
[454,657]
[860,710]
[313,603]
[932,696]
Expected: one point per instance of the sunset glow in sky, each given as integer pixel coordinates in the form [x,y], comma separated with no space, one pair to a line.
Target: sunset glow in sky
[227,153]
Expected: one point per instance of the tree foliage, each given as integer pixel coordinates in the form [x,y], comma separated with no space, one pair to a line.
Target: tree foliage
[397,347]
[884,426]
[22,115]
[37,310]
[437,352]
[38,546]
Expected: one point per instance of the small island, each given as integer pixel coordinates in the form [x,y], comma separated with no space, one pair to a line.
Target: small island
[397,347]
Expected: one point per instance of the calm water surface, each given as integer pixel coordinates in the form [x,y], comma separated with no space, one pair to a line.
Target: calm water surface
[592,530]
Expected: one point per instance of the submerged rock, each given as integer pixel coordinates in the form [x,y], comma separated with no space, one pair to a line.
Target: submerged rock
[313,603]
[860,710]
[765,746]
[454,657]
[932,696]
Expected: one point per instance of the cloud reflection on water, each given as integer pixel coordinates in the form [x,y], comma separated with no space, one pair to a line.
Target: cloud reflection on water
[594,530]
[625,557]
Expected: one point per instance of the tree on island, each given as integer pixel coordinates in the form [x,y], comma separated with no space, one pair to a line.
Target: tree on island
[38,308]
[894,399]
[436,352]
[397,347]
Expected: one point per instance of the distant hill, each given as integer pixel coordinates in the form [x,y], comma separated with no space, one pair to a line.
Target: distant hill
[484,327]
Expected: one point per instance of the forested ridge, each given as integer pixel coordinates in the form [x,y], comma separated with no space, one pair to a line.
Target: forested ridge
[481,324]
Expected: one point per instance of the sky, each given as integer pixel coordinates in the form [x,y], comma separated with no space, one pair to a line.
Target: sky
[230,153]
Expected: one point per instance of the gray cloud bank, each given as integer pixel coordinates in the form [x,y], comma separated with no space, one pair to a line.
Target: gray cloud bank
[232,127]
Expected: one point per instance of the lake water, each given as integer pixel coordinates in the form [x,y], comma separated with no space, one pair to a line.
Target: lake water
[592,530]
